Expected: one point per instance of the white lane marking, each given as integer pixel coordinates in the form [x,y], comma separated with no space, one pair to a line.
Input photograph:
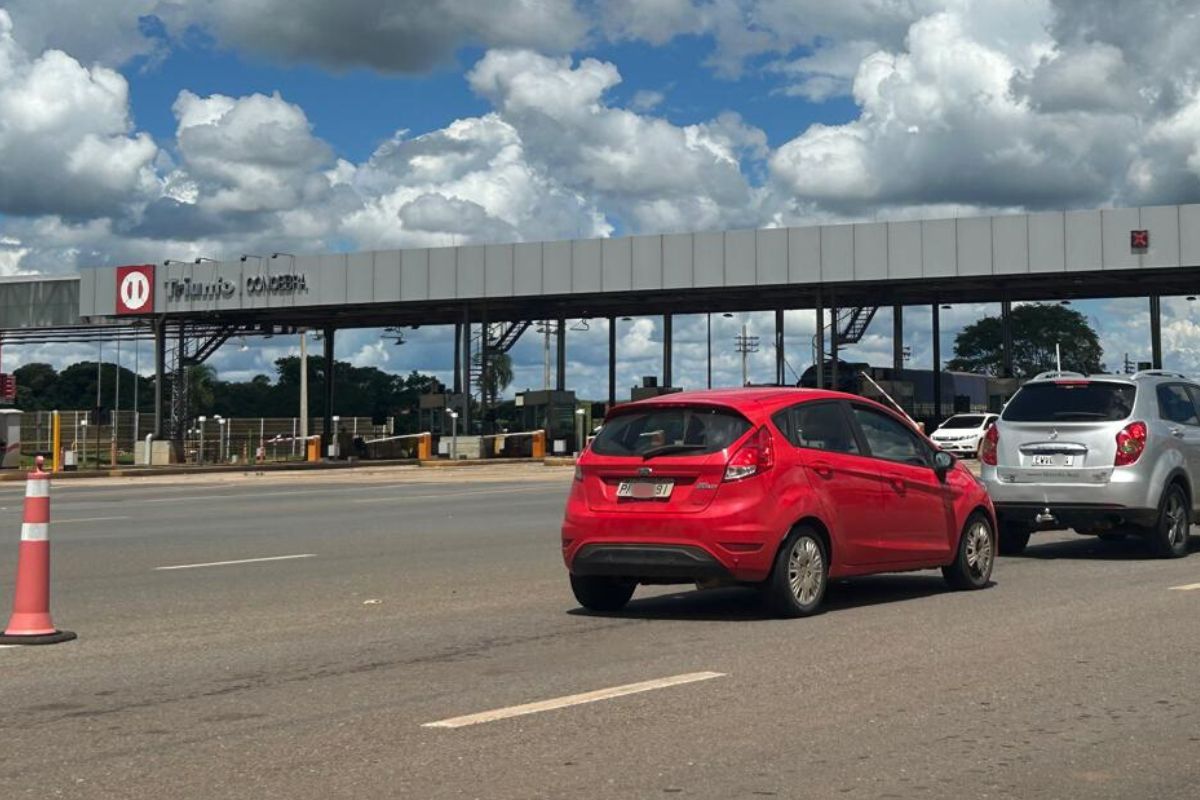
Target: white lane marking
[85,519]
[572,700]
[447,495]
[1187,587]
[238,561]
[8,646]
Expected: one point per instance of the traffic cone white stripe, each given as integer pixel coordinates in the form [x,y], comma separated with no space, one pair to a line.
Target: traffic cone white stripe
[35,532]
[37,487]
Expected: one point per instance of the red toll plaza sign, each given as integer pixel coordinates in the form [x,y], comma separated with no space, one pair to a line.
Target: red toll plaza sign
[1139,240]
[135,289]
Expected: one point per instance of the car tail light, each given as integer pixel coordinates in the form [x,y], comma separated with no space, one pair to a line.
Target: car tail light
[1131,441]
[755,456]
[987,449]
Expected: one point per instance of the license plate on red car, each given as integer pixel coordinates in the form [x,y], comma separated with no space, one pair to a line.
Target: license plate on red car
[645,490]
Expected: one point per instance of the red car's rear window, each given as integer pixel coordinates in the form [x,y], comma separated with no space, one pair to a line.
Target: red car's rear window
[678,430]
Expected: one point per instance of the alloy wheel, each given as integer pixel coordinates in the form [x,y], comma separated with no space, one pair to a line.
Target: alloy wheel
[1177,520]
[980,550]
[806,570]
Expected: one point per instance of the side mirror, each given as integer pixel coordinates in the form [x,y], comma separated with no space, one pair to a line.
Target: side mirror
[943,462]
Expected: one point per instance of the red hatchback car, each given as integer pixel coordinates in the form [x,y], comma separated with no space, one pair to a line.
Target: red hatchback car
[779,488]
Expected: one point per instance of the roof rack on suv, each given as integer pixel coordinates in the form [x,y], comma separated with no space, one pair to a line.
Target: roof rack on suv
[1052,374]
[1157,373]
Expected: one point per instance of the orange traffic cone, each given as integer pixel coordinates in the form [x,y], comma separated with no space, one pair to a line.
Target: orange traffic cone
[30,622]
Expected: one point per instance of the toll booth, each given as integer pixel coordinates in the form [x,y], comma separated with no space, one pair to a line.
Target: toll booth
[552,411]
[650,388]
[433,413]
[10,438]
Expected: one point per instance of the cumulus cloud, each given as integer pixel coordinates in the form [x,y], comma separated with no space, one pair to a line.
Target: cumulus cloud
[652,174]
[66,139]
[384,35]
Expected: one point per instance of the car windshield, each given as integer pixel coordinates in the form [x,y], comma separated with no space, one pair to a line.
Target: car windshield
[963,421]
[676,431]
[1071,401]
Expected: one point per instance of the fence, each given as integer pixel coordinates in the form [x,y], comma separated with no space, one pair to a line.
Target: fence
[213,441]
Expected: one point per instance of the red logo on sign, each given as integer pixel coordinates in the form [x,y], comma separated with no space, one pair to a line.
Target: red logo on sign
[1139,240]
[135,289]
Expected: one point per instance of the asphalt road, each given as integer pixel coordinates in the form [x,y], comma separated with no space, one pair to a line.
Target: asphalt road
[412,600]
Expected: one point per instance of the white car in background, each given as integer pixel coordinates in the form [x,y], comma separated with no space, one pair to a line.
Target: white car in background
[963,433]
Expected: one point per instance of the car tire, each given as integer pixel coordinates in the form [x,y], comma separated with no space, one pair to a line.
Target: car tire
[1169,537]
[800,577]
[602,593]
[1013,540]
[975,557]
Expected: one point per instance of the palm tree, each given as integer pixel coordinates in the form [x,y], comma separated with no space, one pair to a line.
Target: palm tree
[497,378]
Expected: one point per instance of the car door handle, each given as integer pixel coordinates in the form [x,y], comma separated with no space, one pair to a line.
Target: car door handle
[824,470]
[898,484]
[1177,433]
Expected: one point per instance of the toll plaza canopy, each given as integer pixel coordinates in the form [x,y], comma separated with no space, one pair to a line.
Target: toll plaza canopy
[1054,255]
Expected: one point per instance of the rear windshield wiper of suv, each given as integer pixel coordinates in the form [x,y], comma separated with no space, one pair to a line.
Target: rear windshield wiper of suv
[663,450]
[1083,414]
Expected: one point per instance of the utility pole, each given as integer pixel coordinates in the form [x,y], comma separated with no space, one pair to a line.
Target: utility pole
[1130,367]
[745,345]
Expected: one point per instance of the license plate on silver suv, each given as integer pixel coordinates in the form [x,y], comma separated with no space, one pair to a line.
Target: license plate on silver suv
[1053,461]
[645,490]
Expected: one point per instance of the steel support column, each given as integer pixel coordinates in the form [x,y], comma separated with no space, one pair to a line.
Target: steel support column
[897,338]
[465,411]
[667,329]
[1006,341]
[1156,331]
[327,431]
[937,363]
[160,374]
[612,361]
[560,373]
[458,357]
[780,378]
[833,342]
[819,339]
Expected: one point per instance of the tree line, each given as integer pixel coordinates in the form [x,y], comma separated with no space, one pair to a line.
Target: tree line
[359,391]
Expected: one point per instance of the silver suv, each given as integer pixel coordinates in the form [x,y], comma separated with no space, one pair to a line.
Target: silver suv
[1106,455]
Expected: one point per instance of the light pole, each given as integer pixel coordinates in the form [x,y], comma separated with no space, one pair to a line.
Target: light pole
[221,429]
[200,451]
[453,435]
[334,439]
[83,450]
[579,412]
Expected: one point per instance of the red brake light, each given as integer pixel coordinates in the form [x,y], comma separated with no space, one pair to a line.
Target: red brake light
[1131,441]
[987,450]
[755,456]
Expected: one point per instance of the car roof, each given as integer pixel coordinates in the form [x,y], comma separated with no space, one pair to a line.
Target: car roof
[759,398]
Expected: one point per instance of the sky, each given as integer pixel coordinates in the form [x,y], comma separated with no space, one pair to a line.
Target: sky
[141,130]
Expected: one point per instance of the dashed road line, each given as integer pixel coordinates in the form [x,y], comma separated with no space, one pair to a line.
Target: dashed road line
[88,519]
[399,498]
[1187,587]
[572,700]
[238,561]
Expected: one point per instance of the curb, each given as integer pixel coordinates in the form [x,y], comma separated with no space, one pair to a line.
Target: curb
[150,472]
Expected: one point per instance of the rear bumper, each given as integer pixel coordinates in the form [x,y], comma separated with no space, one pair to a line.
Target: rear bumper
[676,562]
[1073,515]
